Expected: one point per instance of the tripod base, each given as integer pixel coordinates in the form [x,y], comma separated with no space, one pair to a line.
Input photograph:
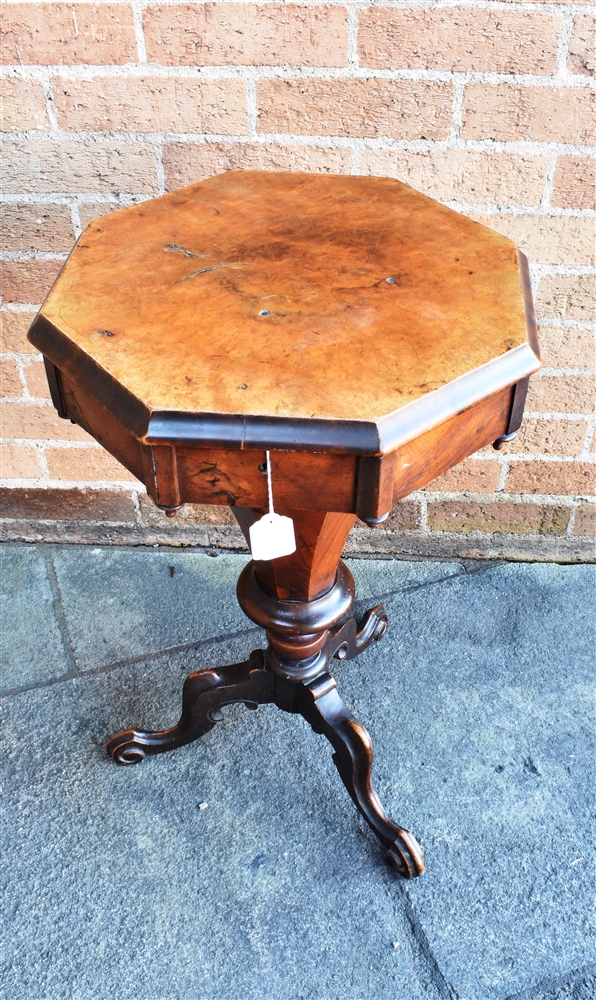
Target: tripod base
[304,687]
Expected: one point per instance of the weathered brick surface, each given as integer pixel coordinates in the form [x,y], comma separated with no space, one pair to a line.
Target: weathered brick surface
[404,516]
[567,347]
[574,182]
[573,478]
[190,516]
[19,461]
[37,383]
[10,383]
[547,239]
[463,175]
[92,166]
[67,504]
[585,520]
[272,34]
[548,437]
[21,420]
[186,163]
[23,105]
[13,332]
[568,297]
[458,40]
[401,109]
[27,281]
[202,121]
[501,517]
[37,227]
[151,104]
[561,394]
[508,112]
[581,45]
[473,476]
[51,33]
[85,465]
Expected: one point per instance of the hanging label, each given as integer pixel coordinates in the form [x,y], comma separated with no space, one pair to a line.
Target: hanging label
[273,535]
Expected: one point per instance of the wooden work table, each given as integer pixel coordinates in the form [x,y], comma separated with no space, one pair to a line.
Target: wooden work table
[365,336]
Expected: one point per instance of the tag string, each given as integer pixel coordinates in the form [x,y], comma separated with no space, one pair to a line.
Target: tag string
[269,486]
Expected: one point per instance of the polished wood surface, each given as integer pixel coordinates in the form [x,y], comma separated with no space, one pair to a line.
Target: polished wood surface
[363,335]
[250,306]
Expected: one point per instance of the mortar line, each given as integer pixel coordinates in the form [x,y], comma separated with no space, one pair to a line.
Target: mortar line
[442,985]
[107,668]
[571,978]
[59,614]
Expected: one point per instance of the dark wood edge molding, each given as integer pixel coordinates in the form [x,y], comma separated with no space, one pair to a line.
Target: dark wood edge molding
[55,386]
[357,437]
[92,378]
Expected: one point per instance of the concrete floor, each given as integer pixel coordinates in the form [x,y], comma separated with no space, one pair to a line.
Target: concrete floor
[237,868]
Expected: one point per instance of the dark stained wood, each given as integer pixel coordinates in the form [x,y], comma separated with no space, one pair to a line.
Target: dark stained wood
[99,421]
[364,335]
[376,479]
[312,569]
[427,456]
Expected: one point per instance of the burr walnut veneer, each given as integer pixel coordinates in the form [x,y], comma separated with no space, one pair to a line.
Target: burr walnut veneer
[364,335]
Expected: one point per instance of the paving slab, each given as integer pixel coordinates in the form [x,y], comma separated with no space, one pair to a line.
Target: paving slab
[137,606]
[235,867]
[480,703]
[30,642]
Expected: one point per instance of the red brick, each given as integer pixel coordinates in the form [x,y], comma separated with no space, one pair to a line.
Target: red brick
[507,112]
[462,174]
[85,465]
[37,227]
[546,239]
[27,281]
[561,394]
[567,347]
[562,296]
[548,437]
[581,45]
[574,182]
[151,104]
[192,515]
[458,40]
[41,423]
[36,379]
[186,163]
[96,165]
[215,34]
[67,505]
[499,517]
[90,211]
[52,33]
[23,105]
[10,383]
[18,461]
[404,516]
[13,332]
[558,478]
[473,475]
[403,109]
[584,522]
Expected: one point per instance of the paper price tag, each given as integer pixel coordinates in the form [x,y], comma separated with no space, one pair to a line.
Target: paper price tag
[272,537]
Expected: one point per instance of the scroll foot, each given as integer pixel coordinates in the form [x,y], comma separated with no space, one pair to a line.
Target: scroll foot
[203,695]
[323,708]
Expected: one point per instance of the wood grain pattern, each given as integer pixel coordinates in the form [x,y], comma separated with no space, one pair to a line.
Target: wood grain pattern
[279,300]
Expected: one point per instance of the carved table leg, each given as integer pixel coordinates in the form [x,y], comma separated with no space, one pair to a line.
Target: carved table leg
[203,695]
[323,708]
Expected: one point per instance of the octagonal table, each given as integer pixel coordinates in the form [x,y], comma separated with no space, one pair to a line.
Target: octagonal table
[347,335]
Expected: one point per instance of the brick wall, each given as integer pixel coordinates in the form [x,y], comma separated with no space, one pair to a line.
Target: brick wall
[486,106]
